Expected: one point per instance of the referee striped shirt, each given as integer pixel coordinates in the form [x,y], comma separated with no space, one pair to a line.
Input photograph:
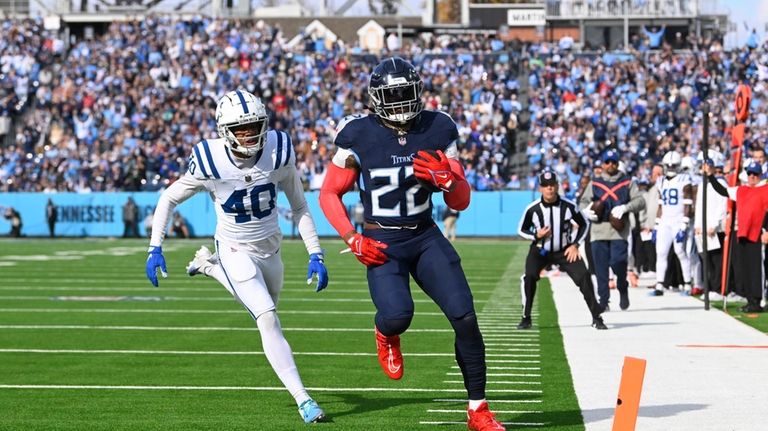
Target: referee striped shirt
[560,216]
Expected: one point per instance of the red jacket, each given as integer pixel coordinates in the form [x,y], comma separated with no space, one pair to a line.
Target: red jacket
[752,202]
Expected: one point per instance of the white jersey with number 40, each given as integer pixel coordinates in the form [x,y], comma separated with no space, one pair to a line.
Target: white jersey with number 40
[244,192]
[671,197]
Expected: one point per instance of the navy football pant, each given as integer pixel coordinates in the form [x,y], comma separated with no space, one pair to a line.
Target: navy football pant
[429,257]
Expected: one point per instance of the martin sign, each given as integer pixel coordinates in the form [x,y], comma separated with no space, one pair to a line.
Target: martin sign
[526,17]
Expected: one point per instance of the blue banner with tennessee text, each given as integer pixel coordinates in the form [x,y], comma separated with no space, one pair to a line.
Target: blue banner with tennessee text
[101,214]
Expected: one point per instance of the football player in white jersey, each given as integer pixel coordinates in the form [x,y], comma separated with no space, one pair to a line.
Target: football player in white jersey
[673,220]
[242,171]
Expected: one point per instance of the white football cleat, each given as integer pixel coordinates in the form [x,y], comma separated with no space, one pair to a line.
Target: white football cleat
[203,259]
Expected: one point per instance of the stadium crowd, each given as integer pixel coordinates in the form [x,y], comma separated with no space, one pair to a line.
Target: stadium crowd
[122,110]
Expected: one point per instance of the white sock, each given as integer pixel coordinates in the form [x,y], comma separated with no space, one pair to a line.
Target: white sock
[474,404]
[279,355]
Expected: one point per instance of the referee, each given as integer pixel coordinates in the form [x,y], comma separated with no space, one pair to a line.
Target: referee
[549,223]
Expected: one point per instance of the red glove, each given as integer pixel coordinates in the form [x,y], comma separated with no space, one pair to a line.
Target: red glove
[367,250]
[433,167]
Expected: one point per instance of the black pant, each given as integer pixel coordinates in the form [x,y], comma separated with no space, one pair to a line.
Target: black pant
[674,275]
[578,272]
[748,269]
[714,263]
[646,256]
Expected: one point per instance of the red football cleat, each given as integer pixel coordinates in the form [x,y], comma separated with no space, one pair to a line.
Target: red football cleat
[390,357]
[483,419]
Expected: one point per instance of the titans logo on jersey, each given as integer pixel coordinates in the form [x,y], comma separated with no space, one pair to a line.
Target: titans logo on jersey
[388,189]
[244,191]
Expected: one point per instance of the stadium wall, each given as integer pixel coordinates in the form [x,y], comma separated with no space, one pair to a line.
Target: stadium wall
[100,214]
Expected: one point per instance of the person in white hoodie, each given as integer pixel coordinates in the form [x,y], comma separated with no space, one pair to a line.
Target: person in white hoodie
[716,212]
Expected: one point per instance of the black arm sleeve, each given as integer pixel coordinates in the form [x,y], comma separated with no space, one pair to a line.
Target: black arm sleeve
[719,188]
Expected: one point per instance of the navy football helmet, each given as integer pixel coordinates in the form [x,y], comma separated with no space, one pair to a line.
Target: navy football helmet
[395,88]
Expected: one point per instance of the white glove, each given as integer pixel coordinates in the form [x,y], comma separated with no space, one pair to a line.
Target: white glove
[590,214]
[618,211]
[683,226]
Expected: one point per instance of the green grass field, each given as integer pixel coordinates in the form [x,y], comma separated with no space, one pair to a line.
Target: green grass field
[758,321]
[87,343]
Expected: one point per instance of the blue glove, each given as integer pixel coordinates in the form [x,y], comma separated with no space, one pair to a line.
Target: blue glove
[155,260]
[316,266]
[680,235]
[653,236]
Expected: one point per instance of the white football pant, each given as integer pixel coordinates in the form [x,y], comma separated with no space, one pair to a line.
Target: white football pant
[256,283]
[665,237]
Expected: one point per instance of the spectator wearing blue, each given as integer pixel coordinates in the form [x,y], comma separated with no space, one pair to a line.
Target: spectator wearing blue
[754,40]
[607,201]
[654,37]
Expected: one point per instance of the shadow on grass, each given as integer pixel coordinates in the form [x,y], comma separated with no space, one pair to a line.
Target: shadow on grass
[658,411]
[362,404]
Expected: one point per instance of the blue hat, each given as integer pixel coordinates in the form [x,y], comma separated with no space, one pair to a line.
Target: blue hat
[611,155]
[754,168]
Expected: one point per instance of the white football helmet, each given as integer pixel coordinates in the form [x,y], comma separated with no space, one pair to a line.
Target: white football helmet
[688,164]
[718,160]
[671,163]
[241,111]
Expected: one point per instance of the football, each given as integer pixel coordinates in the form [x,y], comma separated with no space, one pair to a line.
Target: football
[424,183]
[598,207]
[618,223]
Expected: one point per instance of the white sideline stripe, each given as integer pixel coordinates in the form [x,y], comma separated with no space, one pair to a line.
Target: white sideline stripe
[513,361]
[192,352]
[456,400]
[522,424]
[198,328]
[241,388]
[511,412]
[501,375]
[494,382]
[456,367]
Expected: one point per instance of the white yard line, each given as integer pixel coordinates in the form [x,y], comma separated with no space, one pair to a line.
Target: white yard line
[456,400]
[495,382]
[239,388]
[206,353]
[456,367]
[512,412]
[183,311]
[501,374]
[200,328]
[522,424]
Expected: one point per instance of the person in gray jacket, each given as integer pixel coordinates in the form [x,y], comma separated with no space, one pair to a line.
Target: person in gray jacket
[607,201]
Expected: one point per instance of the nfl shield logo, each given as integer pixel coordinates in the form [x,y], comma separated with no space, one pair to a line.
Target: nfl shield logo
[402,140]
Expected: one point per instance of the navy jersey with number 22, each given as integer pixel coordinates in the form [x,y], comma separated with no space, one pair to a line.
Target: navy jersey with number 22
[389,191]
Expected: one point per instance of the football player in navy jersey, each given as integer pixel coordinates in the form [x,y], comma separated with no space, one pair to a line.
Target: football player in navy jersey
[399,156]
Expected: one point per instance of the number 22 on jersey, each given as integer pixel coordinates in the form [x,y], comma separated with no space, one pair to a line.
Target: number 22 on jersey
[393,174]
